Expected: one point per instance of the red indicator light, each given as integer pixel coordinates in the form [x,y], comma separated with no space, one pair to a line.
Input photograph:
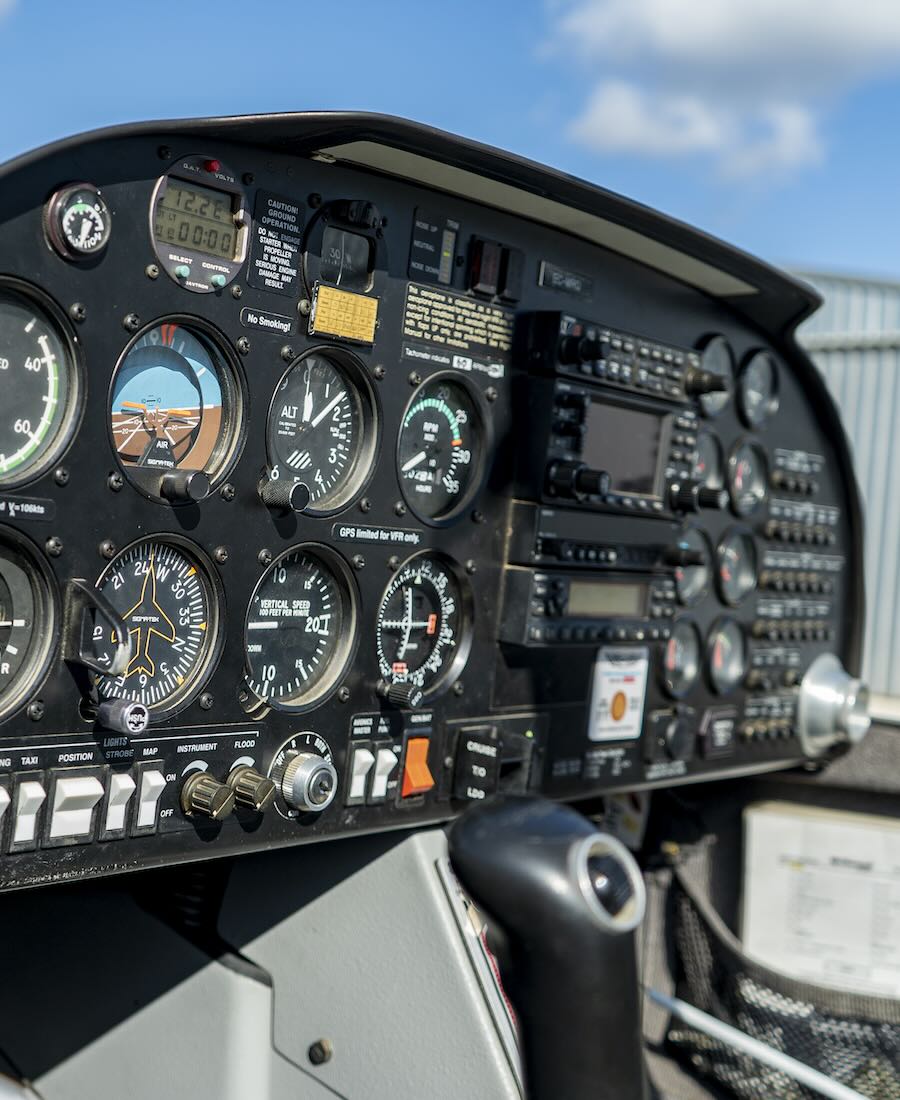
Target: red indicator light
[432,625]
[212,165]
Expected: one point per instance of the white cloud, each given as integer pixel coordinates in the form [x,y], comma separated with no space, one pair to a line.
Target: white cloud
[740,81]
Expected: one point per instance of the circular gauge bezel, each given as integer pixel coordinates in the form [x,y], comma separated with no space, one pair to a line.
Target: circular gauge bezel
[771,405]
[715,629]
[31,676]
[369,429]
[236,383]
[55,211]
[465,633]
[720,459]
[756,446]
[484,429]
[707,545]
[703,347]
[690,623]
[347,643]
[736,531]
[72,416]
[215,631]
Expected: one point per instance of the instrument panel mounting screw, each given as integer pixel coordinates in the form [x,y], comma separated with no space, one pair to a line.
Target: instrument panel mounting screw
[379,373]
[248,178]
[131,322]
[399,508]
[221,554]
[287,353]
[78,312]
[264,557]
[491,393]
[477,516]
[54,546]
[414,378]
[206,701]
[237,290]
[164,152]
[36,710]
[115,482]
[243,345]
[458,688]
[151,271]
[365,505]
[228,492]
[359,562]
[393,562]
[303,307]
[107,549]
[320,1052]
[470,567]
[61,476]
[343,694]
[315,200]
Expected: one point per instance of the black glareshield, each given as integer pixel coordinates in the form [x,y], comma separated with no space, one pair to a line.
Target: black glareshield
[567,901]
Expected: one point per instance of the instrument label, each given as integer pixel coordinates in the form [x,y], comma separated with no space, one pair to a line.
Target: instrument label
[342,313]
[433,249]
[268,322]
[275,247]
[36,508]
[617,697]
[382,536]
[452,330]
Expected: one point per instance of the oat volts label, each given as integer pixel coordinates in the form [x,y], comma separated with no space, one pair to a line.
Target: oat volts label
[617,696]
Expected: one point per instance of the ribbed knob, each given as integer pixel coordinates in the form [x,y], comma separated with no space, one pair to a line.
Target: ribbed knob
[309,782]
[251,789]
[184,486]
[403,695]
[204,796]
[703,381]
[284,496]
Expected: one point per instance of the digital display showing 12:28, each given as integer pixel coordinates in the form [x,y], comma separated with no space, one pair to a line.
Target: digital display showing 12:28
[199,218]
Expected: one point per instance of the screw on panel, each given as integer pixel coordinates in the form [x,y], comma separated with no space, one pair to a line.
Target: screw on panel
[115,482]
[78,312]
[491,393]
[36,710]
[414,378]
[247,177]
[151,271]
[477,517]
[264,557]
[365,505]
[470,566]
[343,694]
[287,353]
[359,562]
[393,562]
[379,373]
[164,152]
[221,554]
[54,546]
[236,291]
[304,306]
[131,322]
[243,345]
[206,701]
[320,1052]
[228,492]
[399,508]
[61,476]
[458,688]
[107,549]
[315,200]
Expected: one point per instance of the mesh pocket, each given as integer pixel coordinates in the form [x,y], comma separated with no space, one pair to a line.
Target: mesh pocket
[850,1038]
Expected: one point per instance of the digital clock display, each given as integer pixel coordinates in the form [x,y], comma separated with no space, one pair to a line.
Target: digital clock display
[199,218]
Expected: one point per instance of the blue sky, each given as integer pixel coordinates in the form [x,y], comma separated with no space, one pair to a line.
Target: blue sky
[772,123]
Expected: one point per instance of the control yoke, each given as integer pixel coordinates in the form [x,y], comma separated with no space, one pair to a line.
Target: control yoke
[566,901]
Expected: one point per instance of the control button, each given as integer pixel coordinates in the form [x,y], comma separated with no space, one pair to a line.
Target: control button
[153,783]
[385,763]
[121,788]
[182,272]
[74,799]
[30,797]
[417,777]
[218,281]
[361,764]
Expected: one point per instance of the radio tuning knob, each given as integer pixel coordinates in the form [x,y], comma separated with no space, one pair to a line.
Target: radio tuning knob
[575,480]
[255,791]
[580,349]
[592,483]
[697,382]
[691,496]
[404,695]
[282,495]
[204,796]
[716,499]
[308,782]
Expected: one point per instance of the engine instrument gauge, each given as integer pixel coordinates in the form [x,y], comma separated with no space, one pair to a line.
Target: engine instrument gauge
[300,629]
[736,567]
[78,222]
[692,581]
[748,476]
[716,357]
[39,386]
[441,448]
[727,655]
[424,627]
[164,591]
[681,659]
[709,465]
[322,429]
[27,621]
[175,404]
[758,389]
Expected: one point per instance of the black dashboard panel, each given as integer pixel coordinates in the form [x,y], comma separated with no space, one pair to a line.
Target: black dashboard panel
[401,497]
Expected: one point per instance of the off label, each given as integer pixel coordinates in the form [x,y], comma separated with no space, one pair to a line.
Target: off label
[617,696]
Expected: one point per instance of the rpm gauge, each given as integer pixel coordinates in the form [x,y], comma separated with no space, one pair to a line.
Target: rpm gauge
[164,591]
[175,404]
[440,450]
[322,429]
[727,655]
[300,628]
[424,627]
[39,386]
[27,621]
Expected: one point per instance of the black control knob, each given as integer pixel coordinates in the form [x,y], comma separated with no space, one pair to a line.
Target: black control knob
[698,382]
[592,483]
[251,790]
[576,481]
[691,496]
[184,486]
[581,349]
[714,499]
[678,737]
[683,556]
[204,796]
[406,696]
[282,495]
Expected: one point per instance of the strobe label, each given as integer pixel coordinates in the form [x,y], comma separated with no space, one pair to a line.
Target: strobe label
[617,695]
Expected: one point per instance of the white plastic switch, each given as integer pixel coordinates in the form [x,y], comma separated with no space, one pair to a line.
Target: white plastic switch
[385,763]
[74,799]
[4,802]
[359,774]
[153,784]
[30,798]
[121,788]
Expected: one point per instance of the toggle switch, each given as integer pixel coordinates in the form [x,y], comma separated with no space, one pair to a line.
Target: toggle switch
[121,789]
[361,764]
[152,785]
[385,763]
[30,797]
[417,777]
[72,813]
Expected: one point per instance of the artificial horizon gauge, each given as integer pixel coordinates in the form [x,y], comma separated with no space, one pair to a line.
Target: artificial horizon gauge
[748,478]
[78,222]
[27,620]
[726,655]
[736,566]
[758,389]
[175,404]
[681,659]
[440,449]
[164,591]
[692,581]
[424,624]
[40,387]
[321,432]
[716,357]
[300,628]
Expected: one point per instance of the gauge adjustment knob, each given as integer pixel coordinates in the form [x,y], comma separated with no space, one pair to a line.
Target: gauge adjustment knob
[251,790]
[204,796]
[698,382]
[184,486]
[833,707]
[683,556]
[309,782]
[282,495]
[404,695]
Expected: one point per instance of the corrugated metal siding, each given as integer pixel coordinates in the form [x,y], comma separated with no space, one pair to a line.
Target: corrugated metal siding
[855,341]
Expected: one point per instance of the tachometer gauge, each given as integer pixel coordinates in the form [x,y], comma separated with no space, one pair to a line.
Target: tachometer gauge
[736,566]
[322,429]
[39,389]
[164,591]
[27,620]
[681,659]
[758,389]
[692,581]
[709,466]
[716,357]
[440,450]
[727,655]
[748,477]
[300,628]
[78,221]
[424,628]
[175,404]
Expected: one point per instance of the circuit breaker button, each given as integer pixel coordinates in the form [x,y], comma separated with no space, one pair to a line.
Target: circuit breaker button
[417,777]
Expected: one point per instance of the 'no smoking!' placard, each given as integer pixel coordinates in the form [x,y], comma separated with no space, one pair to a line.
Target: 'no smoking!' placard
[617,697]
